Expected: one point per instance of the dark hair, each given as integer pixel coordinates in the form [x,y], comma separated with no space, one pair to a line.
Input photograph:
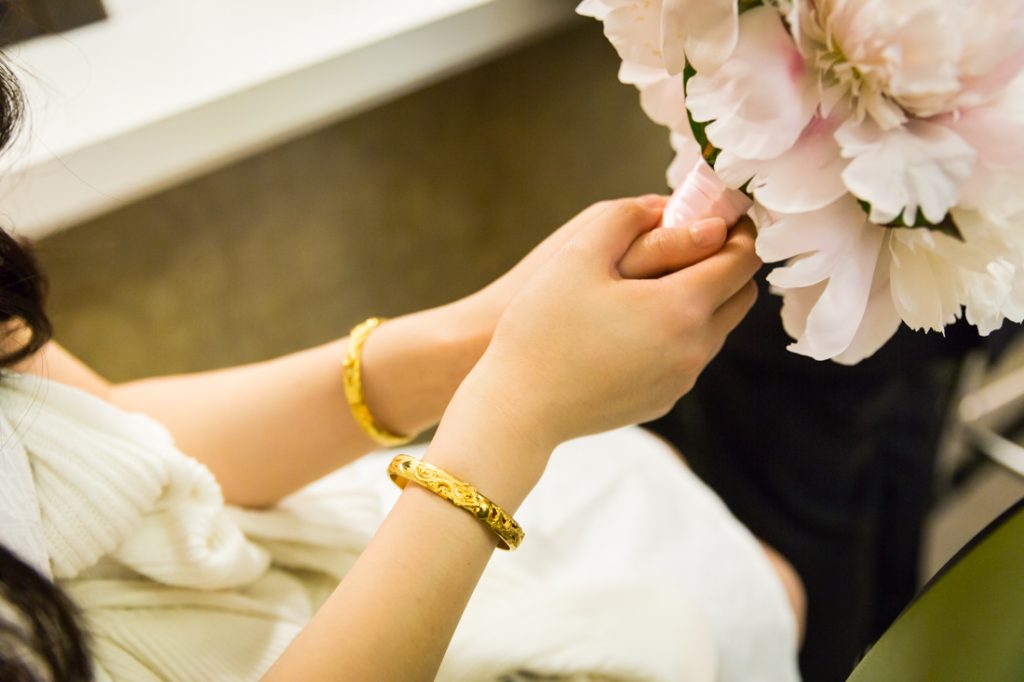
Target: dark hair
[25,326]
[40,639]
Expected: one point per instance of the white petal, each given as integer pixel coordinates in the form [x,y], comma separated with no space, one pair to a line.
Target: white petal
[829,229]
[836,249]
[687,154]
[997,293]
[598,9]
[703,31]
[735,171]
[992,298]
[762,98]
[929,45]
[921,165]
[880,321]
[927,275]
[633,27]
[806,270]
[994,130]
[981,89]
[994,54]
[661,94]
[805,178]
[837,316]
[796,306]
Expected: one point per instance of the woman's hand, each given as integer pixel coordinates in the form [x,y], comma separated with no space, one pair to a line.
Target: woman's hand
[578,349]
[653,254]
[582,349]
[453,337]
[238,421]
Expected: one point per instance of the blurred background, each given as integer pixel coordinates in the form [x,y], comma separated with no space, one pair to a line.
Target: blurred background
[215,183]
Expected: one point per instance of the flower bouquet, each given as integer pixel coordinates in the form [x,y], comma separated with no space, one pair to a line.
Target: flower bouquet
[877,144]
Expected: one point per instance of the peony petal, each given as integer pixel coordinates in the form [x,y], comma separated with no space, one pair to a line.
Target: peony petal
[687,154]
[921,165]
[807,177]
[929,43]
[996,132]
[760,100]
[994,54]
[735,171]
[834,252]
[597,9]
[837,316]
[704,32]
[829,229]
[804,271]
[661,94]
[996,129]
[796,306]
[993,298]
[880,321]
[927,274]
[998,79]
[634,28]
[998,292]
[997,190]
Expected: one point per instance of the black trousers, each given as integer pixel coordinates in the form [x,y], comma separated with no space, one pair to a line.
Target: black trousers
[831,465]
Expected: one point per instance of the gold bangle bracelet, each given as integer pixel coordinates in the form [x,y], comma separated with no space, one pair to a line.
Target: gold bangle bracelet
[404,468]
[352,370]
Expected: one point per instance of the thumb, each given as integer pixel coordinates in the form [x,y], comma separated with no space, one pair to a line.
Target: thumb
[613,231]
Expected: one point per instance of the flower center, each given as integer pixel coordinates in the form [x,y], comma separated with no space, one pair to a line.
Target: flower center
[861,86]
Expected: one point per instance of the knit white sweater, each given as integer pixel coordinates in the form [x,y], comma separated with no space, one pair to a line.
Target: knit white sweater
[636,572]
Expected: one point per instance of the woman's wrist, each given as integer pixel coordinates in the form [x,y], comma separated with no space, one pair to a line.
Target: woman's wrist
[490,438]
[487,442]
[413,364]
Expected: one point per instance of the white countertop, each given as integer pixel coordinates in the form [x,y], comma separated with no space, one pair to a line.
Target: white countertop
[166,90]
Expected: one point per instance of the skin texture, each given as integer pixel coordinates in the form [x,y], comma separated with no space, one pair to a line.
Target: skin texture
[512,370]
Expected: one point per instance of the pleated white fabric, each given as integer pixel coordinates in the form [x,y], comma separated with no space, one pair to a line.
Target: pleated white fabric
[634,572]
[20,521]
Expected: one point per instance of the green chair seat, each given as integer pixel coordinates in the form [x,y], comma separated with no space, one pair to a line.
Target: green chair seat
[967,623]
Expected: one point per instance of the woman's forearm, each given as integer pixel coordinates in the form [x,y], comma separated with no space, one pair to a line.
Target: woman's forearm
[269,428]
[395,612]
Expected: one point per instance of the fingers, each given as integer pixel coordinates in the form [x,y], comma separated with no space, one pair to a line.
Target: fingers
[719,277]
[619,224]
[732,312]
[665,250]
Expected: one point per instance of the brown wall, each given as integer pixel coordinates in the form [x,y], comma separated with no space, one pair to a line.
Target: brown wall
[409,205]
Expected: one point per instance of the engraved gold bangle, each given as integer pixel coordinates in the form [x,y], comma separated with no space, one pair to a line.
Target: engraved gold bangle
[404,468]
[352,369]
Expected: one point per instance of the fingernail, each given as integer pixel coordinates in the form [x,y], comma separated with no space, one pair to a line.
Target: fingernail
[652,200]
[708,232]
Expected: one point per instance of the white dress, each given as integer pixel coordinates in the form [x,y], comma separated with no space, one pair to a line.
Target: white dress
[635,571]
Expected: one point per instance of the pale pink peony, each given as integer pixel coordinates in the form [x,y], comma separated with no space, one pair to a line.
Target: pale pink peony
[911,108]
[665,33]
[762,97]
[633,27]
[900,58]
